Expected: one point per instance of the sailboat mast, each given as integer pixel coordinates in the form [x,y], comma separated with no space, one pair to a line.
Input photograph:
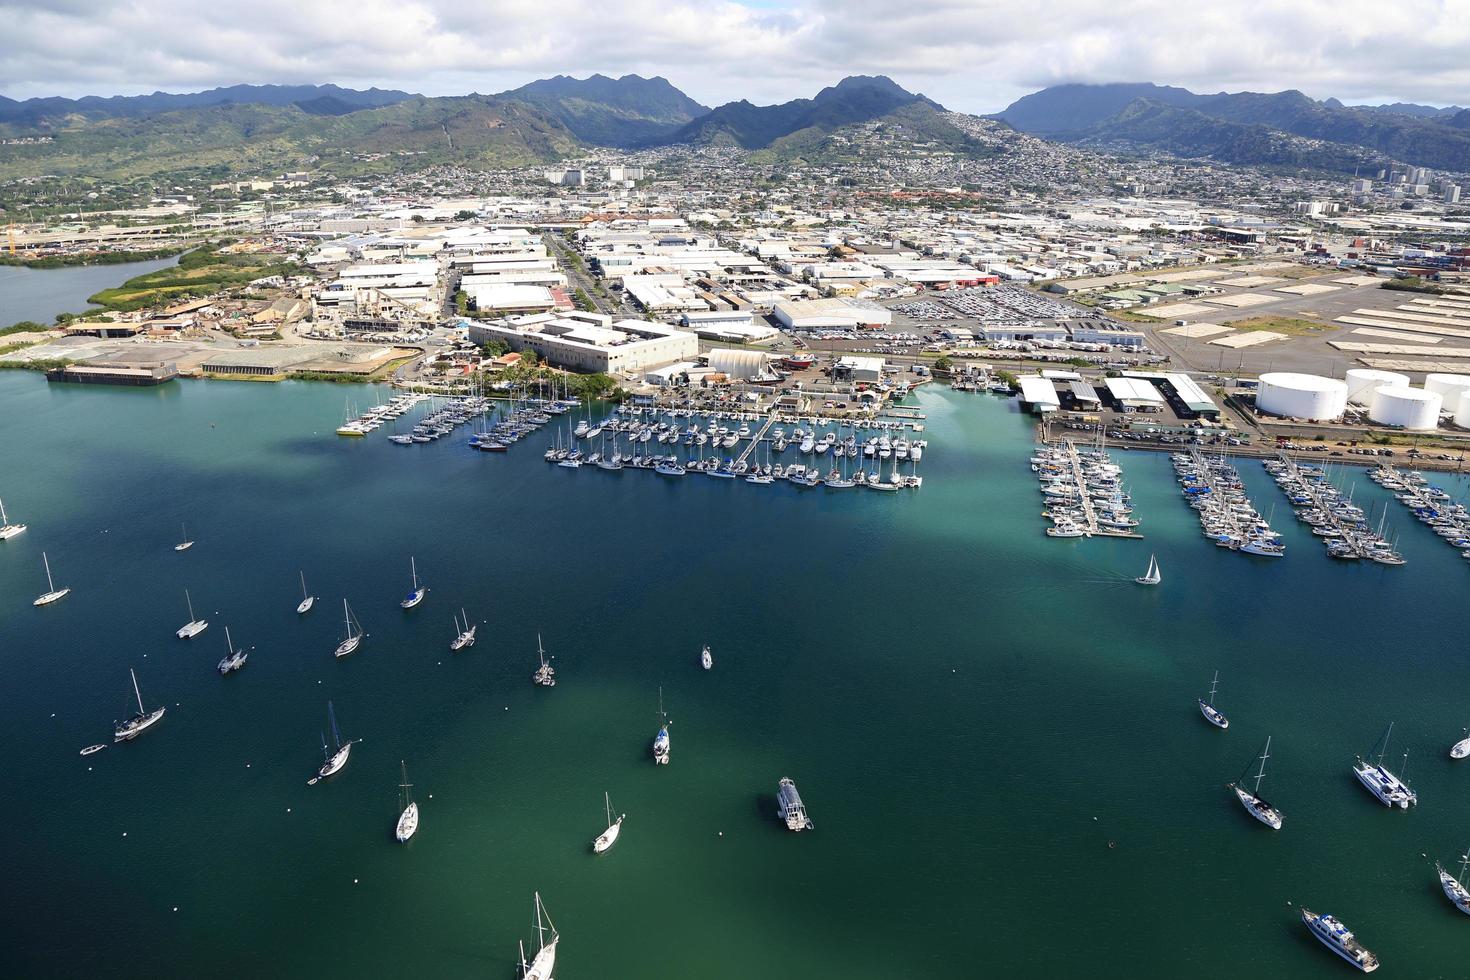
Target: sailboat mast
[137,693]
[1265,754]
[191,605]
[229,643]
[1213,685]
[50,585]
[303,586]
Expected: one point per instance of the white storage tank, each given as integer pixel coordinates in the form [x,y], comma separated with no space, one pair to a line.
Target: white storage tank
[1301,396]
[1405,407]
[1362,382]
[1462,414]
[1451,386]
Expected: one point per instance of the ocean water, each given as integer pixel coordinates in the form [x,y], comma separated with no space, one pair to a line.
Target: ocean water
[40,294]
[994,732]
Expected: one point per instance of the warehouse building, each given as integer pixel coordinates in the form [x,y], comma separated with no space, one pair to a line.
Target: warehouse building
[591,341]
[853,368]
[741,365]
[1135,395]
[830,314]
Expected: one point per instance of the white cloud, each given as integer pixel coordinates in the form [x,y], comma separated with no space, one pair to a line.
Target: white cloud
[974,55]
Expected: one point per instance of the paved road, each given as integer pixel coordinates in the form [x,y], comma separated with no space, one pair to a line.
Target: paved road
[576,274]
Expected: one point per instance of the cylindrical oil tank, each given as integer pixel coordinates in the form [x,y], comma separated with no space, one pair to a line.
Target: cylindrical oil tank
[1462,414]
[1362,382]
[1301,396]
[1451,386]
[1405,407]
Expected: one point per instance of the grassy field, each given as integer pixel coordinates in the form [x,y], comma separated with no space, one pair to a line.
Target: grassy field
[1289,325]
[202,272]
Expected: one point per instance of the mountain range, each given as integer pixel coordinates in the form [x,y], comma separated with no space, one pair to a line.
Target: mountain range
[1280,129]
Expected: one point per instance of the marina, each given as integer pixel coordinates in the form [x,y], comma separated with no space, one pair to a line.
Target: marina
[1429,504]
[1341,524]
[1226,515]
[1083,492]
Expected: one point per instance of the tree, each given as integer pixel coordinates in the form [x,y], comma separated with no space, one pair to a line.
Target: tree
[943,363]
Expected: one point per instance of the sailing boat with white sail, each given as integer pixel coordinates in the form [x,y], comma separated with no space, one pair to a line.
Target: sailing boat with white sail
[126,731]
[307,599]
[544,961]
[233,660]
[335,758]
[464,635]
[184,543]
[661,740]
[408,820]
[1454,885]
[194,626]
[609,837]
[52,593]
[7,529]
[419,591]
[354,636]
[1251,799]
[1152,576]
[1208,709]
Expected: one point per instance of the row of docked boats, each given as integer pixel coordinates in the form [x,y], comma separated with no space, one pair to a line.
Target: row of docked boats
[442,420]
[1430,505]
[1331,513]
[379,415]
[1213,488]
[806,440]
[838,477]
[1083,491]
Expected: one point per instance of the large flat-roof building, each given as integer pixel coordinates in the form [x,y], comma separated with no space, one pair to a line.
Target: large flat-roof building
[830,314]
[591,341]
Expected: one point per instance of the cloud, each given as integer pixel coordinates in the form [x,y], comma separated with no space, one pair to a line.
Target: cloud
[975,55]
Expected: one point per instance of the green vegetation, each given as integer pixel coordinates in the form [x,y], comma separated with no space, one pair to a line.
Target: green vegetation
[90,258]
[1006,377]
[24,326]
[202,272]
[37,365]
[529,375]
[1288,325]
[943,363]
[461,302]
[584,302]
[1413,284]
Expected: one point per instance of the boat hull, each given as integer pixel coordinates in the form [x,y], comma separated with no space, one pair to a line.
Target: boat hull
[306,604]
[335,764]
[50,597]
[139,725]
[408,823]
[190,630]
[348,646]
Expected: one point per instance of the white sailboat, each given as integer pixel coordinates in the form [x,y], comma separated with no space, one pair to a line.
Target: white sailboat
[184,543]
[128,730]
[7,529]
[1208,709]
[544,675]
[544,961]
[1152,576]
[464,635]
[706,660]
[609,837]
[234,659]
[354,636]
[417,595]
[661,740]
[307,599]
[1454,886]
[408,820]
[1461,748]
[1251,800]
[1377,779]
[52,593]
[194,626]
[335,758]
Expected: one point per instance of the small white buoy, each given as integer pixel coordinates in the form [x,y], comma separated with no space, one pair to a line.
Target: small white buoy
[354,881]
[431,796]
[722,833]
[125,833]
[176,908]
[288,809]
[53,714]
[247,765]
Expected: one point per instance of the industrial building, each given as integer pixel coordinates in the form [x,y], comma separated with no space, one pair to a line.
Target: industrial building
[1135,394]
[730,326]
[853,368]
[591,341]
[830,314]
[741,365]
[509,299]
[1039,393]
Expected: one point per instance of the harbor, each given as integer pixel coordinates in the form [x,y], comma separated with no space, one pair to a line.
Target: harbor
[1429,504]
[1214,490]
[1331,514]
[1083,492]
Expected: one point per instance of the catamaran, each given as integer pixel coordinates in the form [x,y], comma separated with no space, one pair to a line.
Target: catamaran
[408,820]
[126,731]
[464,635]
[1454,886]
[194,626]
[1251,800]
[661,740]
[417,595]
[705,659]
[7,529]
[233,660]
[609,837]
[307,599]
[52,593]
[1378,780]
[354,633]
[544,961]
[544,675]
[1336,937]
[1152,576]
[184,543]
[1208,709]
[335,760]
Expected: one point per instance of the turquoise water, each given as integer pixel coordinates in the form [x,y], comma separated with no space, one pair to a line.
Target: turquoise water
[972,712]
[40,294]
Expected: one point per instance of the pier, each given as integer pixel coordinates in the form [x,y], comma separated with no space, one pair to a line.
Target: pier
[1429,504]
[1332,516]
[1214,490]
[1084,493]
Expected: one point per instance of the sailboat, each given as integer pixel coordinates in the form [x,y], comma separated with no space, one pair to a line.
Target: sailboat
[661,740]
[335,760]
[307,599]
[417,595]
[1152,576]
[1378,780]
[544,961]
[705,659]
[1208,709]
[184,543]
[464,635]
[194,626]
[1461,748]
[233,660]
[609,836]
[408,820]
[126,731]
[544,675]
[1454,885]
[52,593]
[1251,800]
[7,529]
[354,632]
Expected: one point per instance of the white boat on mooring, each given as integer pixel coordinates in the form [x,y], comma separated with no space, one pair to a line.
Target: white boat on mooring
[1330,931]
[126,731]
[408,820]
[706,659]
[336,757]
[7,529]
[194,626]
[1461,748]
[184,542]
[1208,709]
[1454,886]
[608,837]
[464,635]
[52,593]
[307,599]
[354,636]
[1376,778]
[1251,799]
[544,961]
[661,740]
[418,592]
[234,659]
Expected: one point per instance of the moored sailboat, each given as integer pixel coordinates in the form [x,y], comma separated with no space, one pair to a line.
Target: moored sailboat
[608,837]
[408,820]
[1251,799]
[336,757]
[234,659]
[184,542]
[1454,885]
[418,592]
[661,740]
[1208,709]
[1376,778]
[706,659]
[544,959]
[7,529]
[307,599]
[126,731]
[464,635]
[545,676]
[354,636]
[194,626]
[52,593]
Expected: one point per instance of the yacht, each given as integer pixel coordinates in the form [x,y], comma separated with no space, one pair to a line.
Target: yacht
[1454,887]
[465,634]
[354,636]
[184,543]
[234,659]
[1336,937]
[7,529]
[307,599]
[126,731]
[1152,576]
[1378,780]
[52,593]
[609,837]
[408,820]
[790,807]
[661,740]
[1208,709]
[194,626]
[544,960]
[419,591]
[1461,748]
[544,676]
[1251,799]
[335,758]
[706,660]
